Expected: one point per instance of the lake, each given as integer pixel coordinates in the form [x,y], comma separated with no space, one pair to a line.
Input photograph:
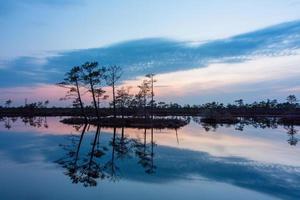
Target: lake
[42,158]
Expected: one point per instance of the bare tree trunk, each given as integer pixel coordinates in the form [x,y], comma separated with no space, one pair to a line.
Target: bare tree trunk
[80,102]
[122,110]
[145,107]
[114,100]
[94,100]
[98,101]
[152,97]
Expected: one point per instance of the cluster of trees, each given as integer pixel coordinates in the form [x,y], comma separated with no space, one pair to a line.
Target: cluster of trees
[39,104]
[122,98]
[92,78]
[8,103]
[291,102]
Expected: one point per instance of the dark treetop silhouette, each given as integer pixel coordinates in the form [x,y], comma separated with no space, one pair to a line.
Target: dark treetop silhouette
[90,78]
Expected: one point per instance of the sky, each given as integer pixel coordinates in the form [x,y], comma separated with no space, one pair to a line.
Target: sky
[200,50]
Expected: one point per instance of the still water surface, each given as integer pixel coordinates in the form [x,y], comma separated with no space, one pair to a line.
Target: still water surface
[45,159]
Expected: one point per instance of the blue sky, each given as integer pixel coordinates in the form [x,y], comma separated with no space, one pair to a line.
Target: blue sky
[41,39]
[37,26]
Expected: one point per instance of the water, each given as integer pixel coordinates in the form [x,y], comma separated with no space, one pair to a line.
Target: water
[40,161]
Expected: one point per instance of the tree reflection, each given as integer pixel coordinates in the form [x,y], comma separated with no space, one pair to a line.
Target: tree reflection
[145,153]
[239,123]
[176,133]
[37,122]
[7,123]
[110,166]
[123,146]
[87,169]
[256,122]
[291,131]
[206,126]
[91,170]
[70,161]
[89,166]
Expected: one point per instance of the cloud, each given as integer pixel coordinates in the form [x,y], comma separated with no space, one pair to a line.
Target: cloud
[252,80]
[294,2]
[159,55]
[8,7]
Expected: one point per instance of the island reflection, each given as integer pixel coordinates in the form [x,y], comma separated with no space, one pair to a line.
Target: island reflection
[90,155]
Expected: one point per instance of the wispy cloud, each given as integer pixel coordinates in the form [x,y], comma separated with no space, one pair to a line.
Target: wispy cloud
[159,55]
[8,7]
[229,79]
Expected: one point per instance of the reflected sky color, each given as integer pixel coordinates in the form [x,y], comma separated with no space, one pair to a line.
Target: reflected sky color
[200,162]
[225,142]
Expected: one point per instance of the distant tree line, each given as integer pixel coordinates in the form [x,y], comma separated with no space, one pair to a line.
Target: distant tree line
[91,79]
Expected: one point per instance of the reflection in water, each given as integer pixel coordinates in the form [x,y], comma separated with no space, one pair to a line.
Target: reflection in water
[8,121]
[70,161]
[291,131]
[256,122]
[120,144]
[98,163]
[88,167]
[146,153]
[37,122]
[123,146]
[92,156]
[110,166]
